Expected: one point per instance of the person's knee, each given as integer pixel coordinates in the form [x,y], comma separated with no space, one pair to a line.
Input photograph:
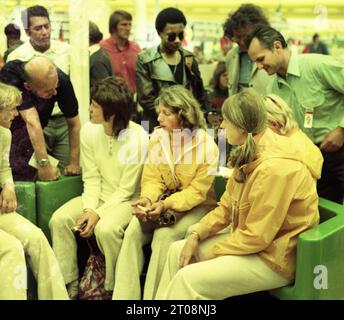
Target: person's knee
[133,231]
[106,231]
[185,275]
[164,235]
[58,219]
[36,236]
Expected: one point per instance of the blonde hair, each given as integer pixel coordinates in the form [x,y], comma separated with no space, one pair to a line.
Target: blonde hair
[180,101]
[245,110]
[278,110]
[9,96]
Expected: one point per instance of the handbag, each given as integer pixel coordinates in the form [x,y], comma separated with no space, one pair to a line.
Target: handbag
[91,285]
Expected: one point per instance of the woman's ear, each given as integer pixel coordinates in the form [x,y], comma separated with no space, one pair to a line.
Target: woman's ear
[275,126]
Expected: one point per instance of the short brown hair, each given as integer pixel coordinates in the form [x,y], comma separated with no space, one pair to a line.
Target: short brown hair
[116,17]
[115,98]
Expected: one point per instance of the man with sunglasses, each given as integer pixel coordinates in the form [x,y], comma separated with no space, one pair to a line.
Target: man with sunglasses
[42,84]
[242,71]
[167,64]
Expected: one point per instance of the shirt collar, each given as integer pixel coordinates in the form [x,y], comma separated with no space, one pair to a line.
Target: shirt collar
[93,48]
[51,49]
[293,65]
[127,45]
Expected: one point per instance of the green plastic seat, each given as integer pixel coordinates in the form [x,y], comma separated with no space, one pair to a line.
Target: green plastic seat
[319,259]
[220,186]
[26,199]
[51,195]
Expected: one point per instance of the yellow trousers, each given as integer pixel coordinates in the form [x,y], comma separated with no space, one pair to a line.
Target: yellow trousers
[215,279]
[19,236]
[131,259]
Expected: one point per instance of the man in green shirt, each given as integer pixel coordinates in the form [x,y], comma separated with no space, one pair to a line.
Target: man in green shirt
[313,86]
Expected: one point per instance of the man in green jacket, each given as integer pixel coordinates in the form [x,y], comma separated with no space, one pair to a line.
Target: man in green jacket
[242,71]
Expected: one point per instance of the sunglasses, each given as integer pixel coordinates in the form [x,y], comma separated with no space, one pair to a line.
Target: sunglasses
[173,35]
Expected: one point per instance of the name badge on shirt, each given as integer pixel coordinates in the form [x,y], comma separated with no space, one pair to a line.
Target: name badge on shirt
[308,119]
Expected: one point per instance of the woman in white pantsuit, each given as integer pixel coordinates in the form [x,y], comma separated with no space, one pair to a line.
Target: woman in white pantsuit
[182,159]
[18,236]
[113,150]
[269,200]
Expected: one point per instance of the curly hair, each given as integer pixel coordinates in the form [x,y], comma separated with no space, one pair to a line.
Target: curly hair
[246,15]
[115,98]
[180,101]
[169,15]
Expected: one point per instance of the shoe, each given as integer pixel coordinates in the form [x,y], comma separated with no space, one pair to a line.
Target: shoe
[73,289]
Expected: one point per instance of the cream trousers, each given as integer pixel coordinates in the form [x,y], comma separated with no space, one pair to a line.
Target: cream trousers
[109,233]
[217,278]
[131,258]
[18,237]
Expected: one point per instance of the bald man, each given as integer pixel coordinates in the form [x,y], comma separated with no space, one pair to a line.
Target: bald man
[42,84]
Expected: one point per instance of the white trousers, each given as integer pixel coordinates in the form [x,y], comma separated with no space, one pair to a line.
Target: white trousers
[19,236]
[131,258]
[109,233]
[215,279]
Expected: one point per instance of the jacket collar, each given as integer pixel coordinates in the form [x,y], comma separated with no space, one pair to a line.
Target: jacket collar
[154,54]
[161,70]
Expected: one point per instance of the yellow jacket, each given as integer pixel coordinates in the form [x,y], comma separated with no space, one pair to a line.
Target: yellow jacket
[270,209]
[186,165]
[310,153]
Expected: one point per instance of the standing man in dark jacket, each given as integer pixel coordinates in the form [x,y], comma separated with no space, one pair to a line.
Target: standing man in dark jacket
[167,64]
[100,65]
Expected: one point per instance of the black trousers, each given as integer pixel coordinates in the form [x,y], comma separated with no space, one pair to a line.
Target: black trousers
[331,184]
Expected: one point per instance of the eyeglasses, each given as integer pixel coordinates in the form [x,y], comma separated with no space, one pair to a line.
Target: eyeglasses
[173,35]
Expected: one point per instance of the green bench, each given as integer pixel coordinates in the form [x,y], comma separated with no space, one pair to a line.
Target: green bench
[38,201]
[51,195]
[26,199]
[320,255]
[319,259]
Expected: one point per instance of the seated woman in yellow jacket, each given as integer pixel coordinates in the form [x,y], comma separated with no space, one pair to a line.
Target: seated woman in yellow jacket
[182,159]
[269,200]
[18,236]
[281,120]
